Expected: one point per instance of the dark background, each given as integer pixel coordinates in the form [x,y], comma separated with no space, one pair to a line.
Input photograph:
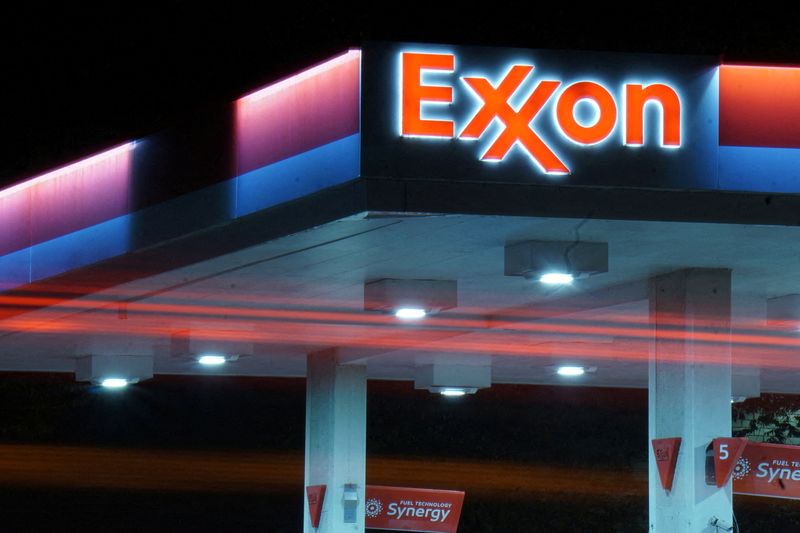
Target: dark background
[589,436]
[77,79]
[569,429]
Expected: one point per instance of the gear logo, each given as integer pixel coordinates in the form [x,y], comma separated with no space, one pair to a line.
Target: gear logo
[373,507]
[741,469]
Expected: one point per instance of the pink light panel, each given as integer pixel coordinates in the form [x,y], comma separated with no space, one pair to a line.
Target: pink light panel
[315,107]
[76,196]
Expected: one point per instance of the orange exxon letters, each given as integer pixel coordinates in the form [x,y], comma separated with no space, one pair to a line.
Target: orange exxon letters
[517,124]
[414,93]
[607,112]
[636,96]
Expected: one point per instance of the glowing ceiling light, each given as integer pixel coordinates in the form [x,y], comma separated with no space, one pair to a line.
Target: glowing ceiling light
[114,383]
[570,371]
[452,392]
[410,313]
[211,360]
[557,278]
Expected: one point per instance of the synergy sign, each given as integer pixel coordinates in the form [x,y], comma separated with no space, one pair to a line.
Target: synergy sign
[766,470]
[407,509]
[610,108]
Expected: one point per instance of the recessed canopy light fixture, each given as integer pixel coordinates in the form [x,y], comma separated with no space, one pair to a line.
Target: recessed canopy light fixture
[114,383]
[410,299]
[453,392]
[452,379]
[410,313]
[114,371]
[212,360]
[570,371]
[556,262]
[557,278]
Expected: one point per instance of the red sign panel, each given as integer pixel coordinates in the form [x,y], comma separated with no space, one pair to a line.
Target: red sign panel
[404,509]
[315,495]
[666,453]
[768,470]
[758,106]
[727,452]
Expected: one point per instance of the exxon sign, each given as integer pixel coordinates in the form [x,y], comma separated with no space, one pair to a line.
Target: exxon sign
[539,117]
[519,123]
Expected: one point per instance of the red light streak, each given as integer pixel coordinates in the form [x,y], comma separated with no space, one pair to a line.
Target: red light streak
[534,332]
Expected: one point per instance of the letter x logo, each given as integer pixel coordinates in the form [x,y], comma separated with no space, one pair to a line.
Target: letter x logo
[517,123]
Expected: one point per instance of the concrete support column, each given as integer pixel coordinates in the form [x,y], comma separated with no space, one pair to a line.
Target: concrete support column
[689,393]
[336,446]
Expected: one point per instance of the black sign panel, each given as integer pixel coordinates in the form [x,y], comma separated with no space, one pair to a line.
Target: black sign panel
[492,115]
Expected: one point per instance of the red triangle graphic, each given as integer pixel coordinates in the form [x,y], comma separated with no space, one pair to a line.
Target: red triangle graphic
[316,495]
[727,452]
[666,452]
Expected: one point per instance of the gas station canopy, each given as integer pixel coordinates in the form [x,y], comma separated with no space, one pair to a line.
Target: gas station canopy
[253,231]
[451,215]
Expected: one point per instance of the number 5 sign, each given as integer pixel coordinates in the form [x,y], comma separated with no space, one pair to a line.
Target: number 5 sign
[726,453]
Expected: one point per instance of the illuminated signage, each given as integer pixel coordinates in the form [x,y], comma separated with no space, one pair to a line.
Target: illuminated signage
[518,121]
[407,509]
[762,469]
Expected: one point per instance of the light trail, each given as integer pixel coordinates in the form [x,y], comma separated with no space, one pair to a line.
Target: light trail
[74,467]
[541,331]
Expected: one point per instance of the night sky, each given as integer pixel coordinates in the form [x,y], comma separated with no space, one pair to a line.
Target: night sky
[77,79]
